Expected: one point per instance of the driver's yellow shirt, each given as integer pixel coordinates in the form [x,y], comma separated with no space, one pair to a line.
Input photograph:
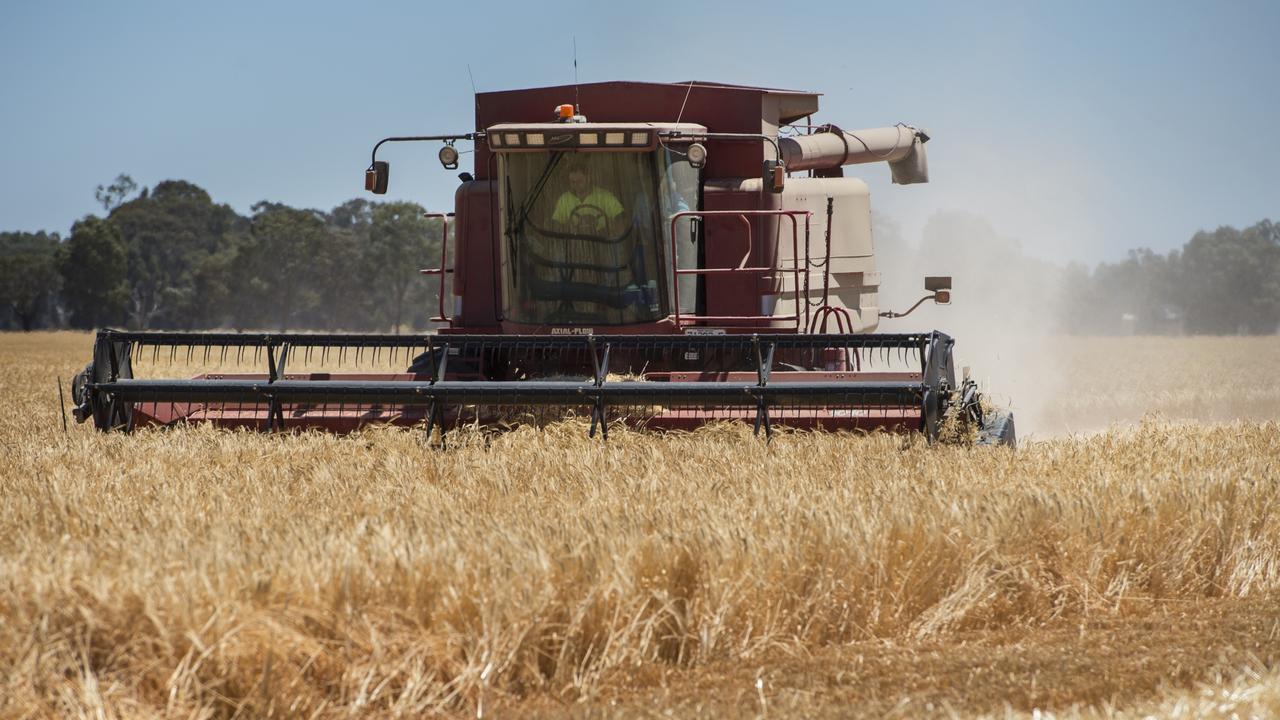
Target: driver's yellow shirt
[597,198]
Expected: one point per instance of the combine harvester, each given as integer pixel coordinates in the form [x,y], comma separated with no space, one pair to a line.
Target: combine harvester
[682,254]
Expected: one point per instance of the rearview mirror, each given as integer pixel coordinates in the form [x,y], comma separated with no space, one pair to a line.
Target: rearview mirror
[940,286]
[375,178]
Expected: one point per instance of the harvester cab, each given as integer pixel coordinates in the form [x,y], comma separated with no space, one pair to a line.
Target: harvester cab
[698,240]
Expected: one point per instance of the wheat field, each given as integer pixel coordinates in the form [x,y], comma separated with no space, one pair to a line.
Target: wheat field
[1132,570]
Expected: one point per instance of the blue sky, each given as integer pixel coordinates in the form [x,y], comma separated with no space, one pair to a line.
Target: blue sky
[1080,129]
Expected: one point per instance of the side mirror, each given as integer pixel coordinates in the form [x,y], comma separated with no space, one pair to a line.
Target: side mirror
[375,178]
[940,286]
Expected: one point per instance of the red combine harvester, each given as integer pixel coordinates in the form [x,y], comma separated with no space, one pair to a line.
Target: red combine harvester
[661,255]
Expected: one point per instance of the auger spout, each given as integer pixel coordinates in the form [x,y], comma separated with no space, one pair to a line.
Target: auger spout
[902,146]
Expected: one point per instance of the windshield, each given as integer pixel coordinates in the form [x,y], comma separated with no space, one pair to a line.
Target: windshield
[586,236]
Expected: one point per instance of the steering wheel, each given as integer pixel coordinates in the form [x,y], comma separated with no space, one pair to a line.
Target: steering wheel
[587,214]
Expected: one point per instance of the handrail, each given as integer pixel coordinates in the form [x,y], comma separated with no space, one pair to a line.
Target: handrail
[442,270]
[742,268]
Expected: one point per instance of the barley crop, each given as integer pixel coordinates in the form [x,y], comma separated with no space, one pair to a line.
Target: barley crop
[203,573]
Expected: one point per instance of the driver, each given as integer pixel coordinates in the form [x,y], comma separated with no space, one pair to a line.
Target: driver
[585,207]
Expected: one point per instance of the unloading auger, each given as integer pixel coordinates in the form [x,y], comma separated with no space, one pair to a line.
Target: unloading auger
[664,274]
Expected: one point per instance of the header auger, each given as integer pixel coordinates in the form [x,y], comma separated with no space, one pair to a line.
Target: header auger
[658,264]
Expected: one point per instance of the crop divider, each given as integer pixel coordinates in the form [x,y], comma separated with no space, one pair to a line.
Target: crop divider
[763,365]
[435,407]
[601,368]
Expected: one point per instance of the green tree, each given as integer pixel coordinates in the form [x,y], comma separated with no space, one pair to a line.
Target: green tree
[1228,280]
[281,266]
[93,264]
[177,240]
[355,215]
[348,298]
[401,242]
[29,278]
[111,196]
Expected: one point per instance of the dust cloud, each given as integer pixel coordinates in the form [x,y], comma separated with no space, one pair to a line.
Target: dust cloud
[1004,314]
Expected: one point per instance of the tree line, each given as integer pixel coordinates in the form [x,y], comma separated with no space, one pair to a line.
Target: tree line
[1226,281]
[170,258]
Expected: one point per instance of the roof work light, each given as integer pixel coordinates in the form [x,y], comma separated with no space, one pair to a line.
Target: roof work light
[449,157]
[697,154]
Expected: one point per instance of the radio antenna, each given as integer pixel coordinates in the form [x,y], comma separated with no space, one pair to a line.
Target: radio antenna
[474,95]
[686,102]
[577,108]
